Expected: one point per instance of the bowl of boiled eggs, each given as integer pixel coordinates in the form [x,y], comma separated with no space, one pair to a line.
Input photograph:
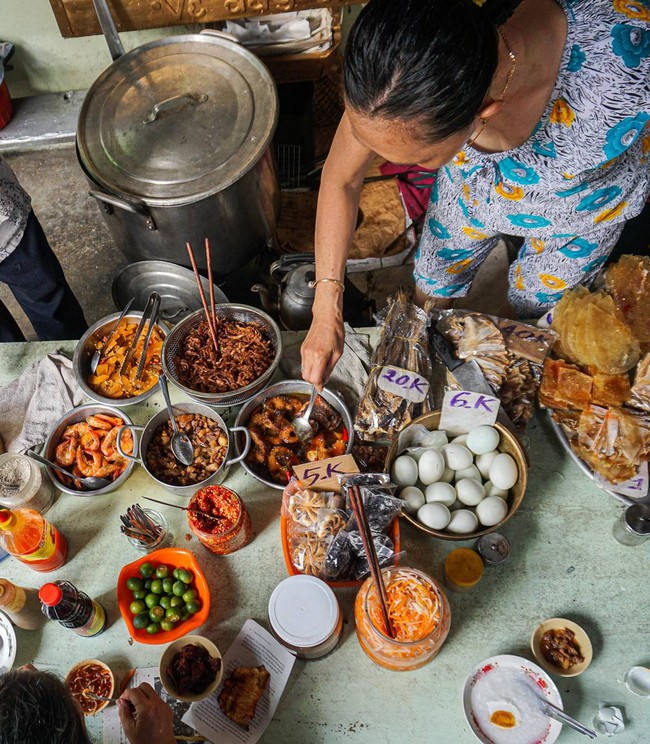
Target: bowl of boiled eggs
[458,487]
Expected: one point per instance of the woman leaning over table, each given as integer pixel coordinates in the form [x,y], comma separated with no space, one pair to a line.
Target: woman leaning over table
[535,114]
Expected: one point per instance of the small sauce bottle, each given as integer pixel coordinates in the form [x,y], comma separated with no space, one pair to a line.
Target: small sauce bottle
[62,601]
[21,605]
[463,569]
[30,538]
[23,483]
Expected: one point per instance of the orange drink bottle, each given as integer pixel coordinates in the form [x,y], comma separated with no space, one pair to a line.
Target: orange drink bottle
[29,537]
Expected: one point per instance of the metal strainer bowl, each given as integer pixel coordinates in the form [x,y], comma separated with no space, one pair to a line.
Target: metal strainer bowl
[226,311]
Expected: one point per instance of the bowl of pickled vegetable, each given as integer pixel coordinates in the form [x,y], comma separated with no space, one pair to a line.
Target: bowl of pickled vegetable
[163,595]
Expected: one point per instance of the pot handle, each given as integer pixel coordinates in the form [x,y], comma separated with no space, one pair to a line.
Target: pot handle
[184,99]
[222,34]
[118,441]
[108,201]
[247,445]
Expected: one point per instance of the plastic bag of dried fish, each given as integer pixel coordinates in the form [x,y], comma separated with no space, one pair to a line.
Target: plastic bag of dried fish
[397,390]
[509,353]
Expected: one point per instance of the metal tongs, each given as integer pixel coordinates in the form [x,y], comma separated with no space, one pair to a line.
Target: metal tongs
[150,313]
[96,358]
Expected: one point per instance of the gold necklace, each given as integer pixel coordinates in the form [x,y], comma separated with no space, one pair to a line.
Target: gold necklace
[511,72]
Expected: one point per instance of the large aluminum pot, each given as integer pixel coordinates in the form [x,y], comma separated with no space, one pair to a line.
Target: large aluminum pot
[158,420]
[174,139]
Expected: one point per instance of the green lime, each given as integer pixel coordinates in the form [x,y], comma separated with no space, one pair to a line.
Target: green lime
[168,583]
[146,570]
[177,573]
[153,628]
[151,600]
[167,624]
[189,595]
[173,614]
[165,601]
[193,607]
[186,576]
[134,584]
[141,621]
[140,594]
[156,613]
[162,572]
[175,601]
[156,586]
[179,588]
[136,607]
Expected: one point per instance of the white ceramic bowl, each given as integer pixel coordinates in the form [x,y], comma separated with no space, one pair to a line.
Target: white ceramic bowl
[171,651]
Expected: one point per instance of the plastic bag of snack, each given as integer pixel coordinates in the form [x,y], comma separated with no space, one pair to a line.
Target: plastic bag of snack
[302,504]
[383,547]
[307,552]
[397,390]
[329,522]
[339,557]
[381,508]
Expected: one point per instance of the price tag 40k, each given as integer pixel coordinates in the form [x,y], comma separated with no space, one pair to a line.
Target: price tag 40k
[463,411]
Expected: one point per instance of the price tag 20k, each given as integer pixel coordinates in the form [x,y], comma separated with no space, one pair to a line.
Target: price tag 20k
[463,411]
[404,383]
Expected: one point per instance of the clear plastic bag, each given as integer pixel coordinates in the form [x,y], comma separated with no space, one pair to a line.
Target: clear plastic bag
[302,505]
[383,547]
[339,558]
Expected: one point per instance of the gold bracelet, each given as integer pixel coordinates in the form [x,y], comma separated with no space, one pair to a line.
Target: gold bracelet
[338,283]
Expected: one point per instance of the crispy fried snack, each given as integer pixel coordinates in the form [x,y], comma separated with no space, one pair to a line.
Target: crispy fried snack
[628,282]
[610,390]
[564,386]
[641,388]
[242,690]
[593,332]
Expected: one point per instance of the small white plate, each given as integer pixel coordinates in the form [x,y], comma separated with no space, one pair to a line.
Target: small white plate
[544,686]
[7,643]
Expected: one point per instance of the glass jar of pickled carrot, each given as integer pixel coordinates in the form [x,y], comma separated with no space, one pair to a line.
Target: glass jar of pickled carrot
[419,612]
[223,526]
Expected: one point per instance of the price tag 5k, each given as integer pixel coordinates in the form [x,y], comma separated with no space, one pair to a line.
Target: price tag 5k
[323,475]
[404,383]
[463,411]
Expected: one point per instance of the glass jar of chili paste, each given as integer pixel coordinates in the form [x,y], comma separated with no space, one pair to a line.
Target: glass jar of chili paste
[224,525]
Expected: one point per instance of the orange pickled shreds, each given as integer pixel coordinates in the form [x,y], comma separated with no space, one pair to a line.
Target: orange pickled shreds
[413,607]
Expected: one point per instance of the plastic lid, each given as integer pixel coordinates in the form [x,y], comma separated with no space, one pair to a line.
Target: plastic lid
[303,611]
[464,567]
[637,519]
[50,594]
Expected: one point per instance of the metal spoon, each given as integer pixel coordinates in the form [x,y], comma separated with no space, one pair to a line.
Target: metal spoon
[94,362]
[181,444]
[559,715]
[301,424]
[92,483]
[93,696]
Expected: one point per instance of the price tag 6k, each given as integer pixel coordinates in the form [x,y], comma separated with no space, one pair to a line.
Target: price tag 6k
[404,383]
[323,475]
[463,411]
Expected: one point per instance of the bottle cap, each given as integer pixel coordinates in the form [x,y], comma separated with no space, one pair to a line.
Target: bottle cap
[50,594]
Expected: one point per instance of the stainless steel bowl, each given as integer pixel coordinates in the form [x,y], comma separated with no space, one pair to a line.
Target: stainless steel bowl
[85,350]
[75,416]
[289,387]
[228,311]
[158,420]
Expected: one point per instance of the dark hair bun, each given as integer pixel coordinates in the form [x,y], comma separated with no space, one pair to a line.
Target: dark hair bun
[498,11]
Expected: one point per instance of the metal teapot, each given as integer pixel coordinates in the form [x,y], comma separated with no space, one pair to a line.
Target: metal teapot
[291,297]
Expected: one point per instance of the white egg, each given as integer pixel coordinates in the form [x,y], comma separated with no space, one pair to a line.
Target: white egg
[483,439]
[413,496]
[470,491]
[503,715]
[457,456]
[431,466]
[448,475]
[404,471]
[492,490]
[470,472]
[460,439]
[491,511]
[503,471]
[434,515]
[444,493]
[484,461]
[462,522]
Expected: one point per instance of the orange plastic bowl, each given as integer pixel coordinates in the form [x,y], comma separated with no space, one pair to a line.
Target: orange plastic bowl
[175,558]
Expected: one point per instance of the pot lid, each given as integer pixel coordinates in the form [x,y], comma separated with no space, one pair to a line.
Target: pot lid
[177,119]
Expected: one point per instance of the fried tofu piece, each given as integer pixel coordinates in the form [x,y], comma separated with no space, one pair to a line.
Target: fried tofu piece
[610,390]
[564,386]
[242,690]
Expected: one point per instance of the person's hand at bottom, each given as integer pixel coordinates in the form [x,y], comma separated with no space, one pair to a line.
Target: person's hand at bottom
[145,717]
[321,349]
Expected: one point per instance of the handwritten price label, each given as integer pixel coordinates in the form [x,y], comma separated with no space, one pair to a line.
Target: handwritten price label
[525,340]
[463,411]
[636,487]
[404,383]
[323,475]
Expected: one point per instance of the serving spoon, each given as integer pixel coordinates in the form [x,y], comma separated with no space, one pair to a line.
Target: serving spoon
[89,694]
[91,482]
[181,444]
[301,424]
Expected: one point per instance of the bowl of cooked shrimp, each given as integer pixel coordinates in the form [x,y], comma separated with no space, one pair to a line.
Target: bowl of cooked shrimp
[84,443]
[274,445]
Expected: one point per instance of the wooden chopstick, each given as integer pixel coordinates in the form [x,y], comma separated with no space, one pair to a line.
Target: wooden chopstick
[197,276]
[359,511]
[208,258]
